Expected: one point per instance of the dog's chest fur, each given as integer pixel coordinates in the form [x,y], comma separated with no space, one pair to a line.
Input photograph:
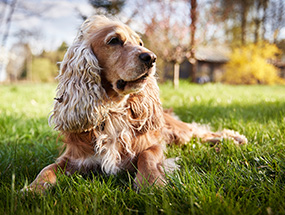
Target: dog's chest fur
[120,138]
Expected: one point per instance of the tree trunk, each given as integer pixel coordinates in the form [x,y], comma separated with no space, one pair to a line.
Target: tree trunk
[256,31]
[192,59]
[8,23]
[176,75]
[280,13]
[257,22]
[264,17]
[244,12]
[29,64]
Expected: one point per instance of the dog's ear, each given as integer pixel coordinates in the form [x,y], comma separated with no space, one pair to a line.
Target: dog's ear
[79,101]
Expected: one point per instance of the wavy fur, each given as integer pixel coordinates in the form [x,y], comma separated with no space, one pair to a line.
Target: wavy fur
[107,107]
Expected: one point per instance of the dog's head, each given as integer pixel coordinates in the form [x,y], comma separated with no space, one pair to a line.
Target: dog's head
[106,60]
[125,63]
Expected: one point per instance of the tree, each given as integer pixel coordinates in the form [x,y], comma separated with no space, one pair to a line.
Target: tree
[259,19]
[63,47]
[192,57]
[43,70]
[250,21]
[244,8]
[7,22]
[234,15]
[168,29]
[276,18]
[19,66]
[105,7]
[9,10]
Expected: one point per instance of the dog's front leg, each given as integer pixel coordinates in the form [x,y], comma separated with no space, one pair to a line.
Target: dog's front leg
[149,165]
[46,178]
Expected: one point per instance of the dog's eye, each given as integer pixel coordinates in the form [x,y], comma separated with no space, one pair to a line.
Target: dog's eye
[114,41]
[141,44]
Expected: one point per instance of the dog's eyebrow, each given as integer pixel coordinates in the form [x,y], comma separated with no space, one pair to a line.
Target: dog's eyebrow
[136,38]
[110,35]
[123,33]
[120,34]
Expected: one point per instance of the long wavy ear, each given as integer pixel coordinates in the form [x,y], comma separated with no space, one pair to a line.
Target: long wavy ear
[79,102]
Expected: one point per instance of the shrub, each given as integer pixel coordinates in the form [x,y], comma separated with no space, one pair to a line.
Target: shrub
[250,64]
[43,70]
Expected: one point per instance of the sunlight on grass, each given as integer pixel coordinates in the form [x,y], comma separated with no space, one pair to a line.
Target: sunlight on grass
[221,179]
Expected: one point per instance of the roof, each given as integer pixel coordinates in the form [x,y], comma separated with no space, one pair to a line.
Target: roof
[215,54]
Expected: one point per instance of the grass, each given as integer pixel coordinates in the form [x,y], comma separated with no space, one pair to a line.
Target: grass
[224,179]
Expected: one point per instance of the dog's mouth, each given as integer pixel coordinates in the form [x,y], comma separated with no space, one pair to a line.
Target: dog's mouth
[121,84]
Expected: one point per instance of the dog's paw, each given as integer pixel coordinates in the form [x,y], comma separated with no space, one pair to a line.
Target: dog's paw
[156,178]
[235,136]
[170,165]
[38,188]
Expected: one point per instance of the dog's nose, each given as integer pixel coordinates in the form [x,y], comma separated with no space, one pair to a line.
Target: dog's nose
[148,58]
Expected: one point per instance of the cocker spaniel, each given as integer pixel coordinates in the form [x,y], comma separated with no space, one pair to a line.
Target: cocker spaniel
[108,109]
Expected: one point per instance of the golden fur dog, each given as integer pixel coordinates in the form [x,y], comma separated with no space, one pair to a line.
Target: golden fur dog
[108,109]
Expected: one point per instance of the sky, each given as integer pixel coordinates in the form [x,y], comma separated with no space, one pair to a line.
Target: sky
[54,20]
[57,21]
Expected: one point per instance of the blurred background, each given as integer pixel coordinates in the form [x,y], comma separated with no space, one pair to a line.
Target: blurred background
[235,42]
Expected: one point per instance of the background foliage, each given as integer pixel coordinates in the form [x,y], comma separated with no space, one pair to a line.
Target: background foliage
[45,67]
[252,64]
[173,29]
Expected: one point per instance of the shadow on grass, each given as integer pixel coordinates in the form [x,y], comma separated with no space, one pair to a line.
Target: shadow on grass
[27,145]
[259,112]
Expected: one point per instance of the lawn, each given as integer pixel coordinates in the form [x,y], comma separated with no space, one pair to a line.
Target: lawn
[222,179]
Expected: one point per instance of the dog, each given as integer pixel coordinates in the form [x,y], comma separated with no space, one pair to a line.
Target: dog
[109,112]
